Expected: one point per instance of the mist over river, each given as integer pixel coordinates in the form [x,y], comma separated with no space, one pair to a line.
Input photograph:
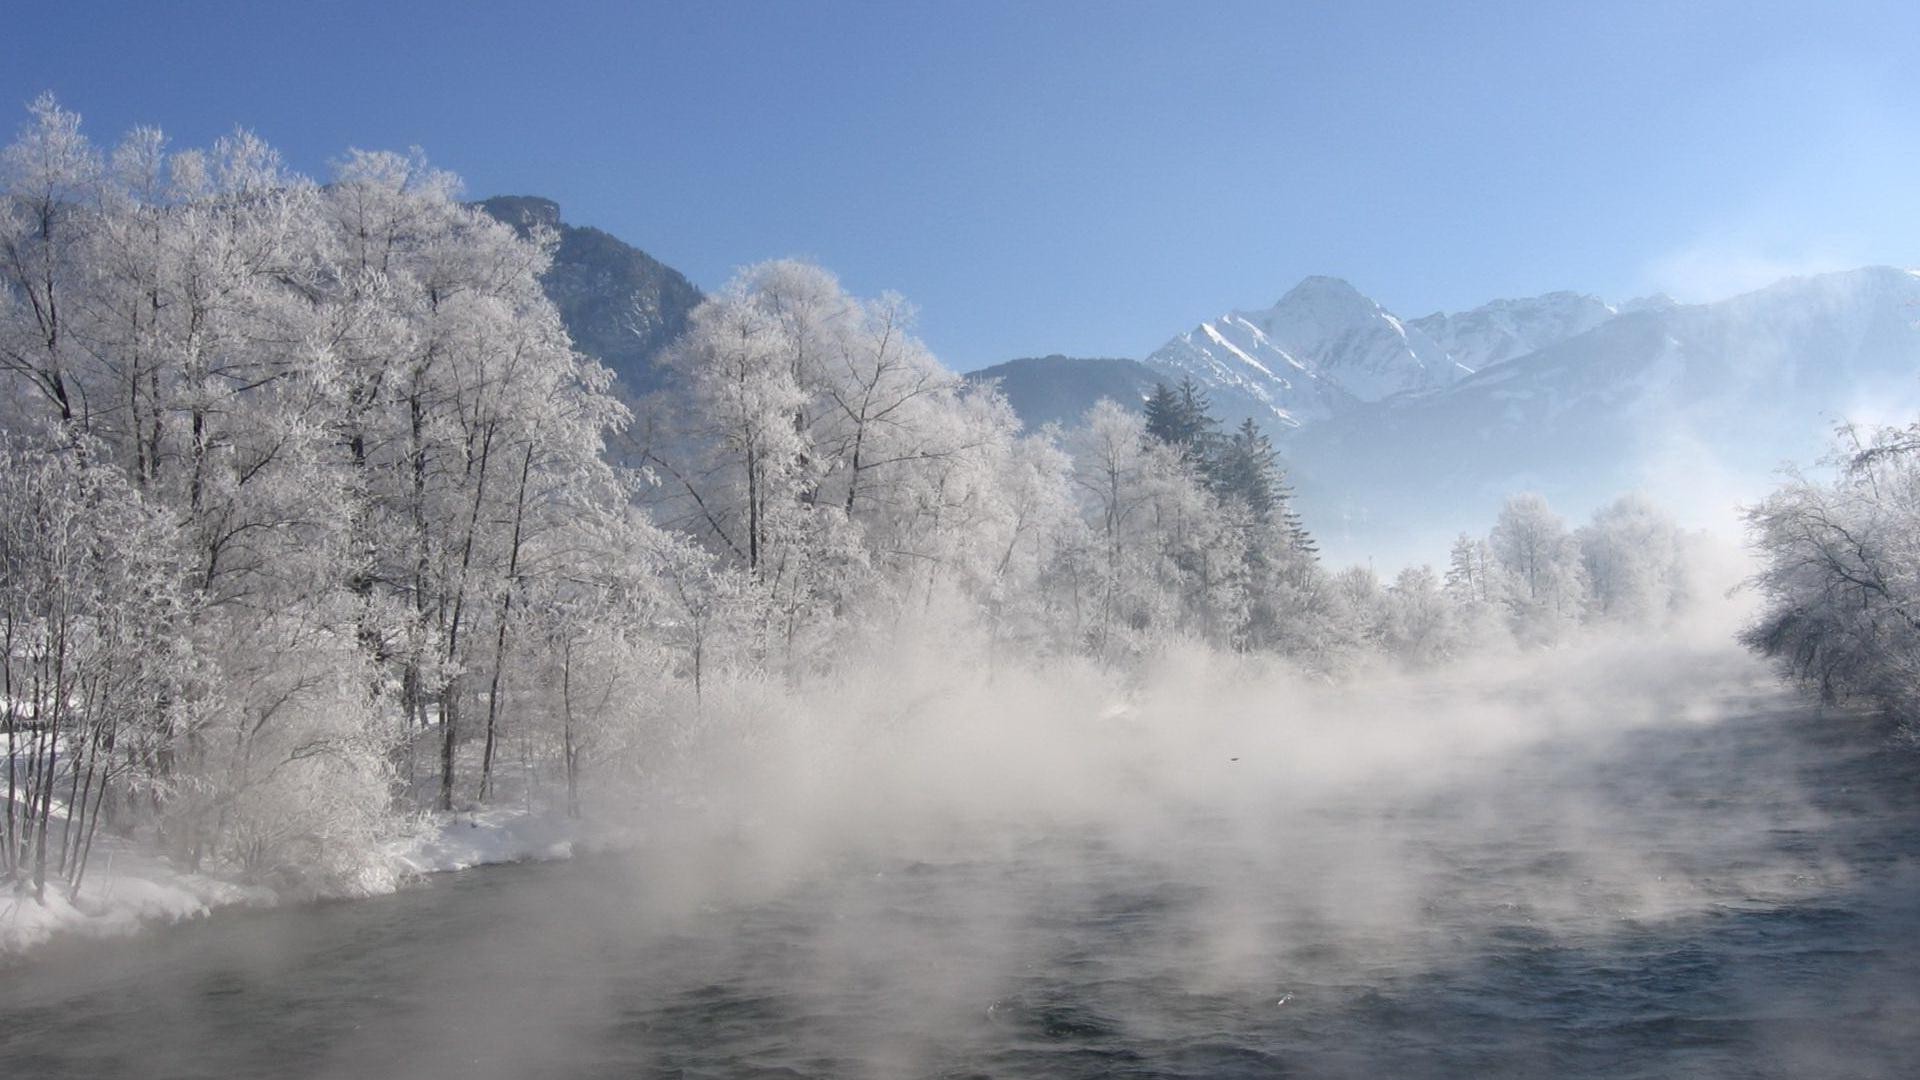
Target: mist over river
[1724,887]
[959,541]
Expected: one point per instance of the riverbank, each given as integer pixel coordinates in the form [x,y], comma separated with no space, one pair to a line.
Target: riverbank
[128,889]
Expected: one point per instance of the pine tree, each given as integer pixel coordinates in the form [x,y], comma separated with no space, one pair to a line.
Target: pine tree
[1201,431]
[1289,518]
[1163,414]
[1246,469]
[1181,419]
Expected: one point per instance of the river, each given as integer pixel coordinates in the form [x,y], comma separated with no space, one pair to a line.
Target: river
[1733,898]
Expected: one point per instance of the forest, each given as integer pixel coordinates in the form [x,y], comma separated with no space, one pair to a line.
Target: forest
[313,521]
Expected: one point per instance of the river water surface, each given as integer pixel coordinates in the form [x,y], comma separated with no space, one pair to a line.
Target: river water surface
[1734,898]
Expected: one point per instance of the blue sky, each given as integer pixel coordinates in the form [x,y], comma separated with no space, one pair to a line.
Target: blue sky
[1084,178]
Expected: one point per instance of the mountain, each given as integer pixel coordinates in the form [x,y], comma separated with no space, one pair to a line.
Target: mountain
[1696,404]
[1504,329]
[1321,349]
[1247,373]
[621,305]
[1353,342]
[1399,433]
[1060,389]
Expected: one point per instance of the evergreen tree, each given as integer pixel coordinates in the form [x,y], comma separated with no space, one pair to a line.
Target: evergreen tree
[1201,429]
[1163,414]
[1289,518]
[1181,419]
[1246,469]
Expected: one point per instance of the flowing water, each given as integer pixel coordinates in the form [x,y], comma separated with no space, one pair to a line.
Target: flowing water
[1736,898]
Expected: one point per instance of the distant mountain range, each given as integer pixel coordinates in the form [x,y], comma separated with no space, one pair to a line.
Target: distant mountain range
[1398,432]
[1697,404]
[1319,351]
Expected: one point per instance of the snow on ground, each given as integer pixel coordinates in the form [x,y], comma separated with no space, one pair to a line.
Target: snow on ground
[126,889]
[123,891]
[478,837]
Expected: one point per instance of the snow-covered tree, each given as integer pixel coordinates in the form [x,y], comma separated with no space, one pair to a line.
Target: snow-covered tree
[1423,627]
[369,437]
[1544,584]
[1840,574]
[90,675]
[1633,560]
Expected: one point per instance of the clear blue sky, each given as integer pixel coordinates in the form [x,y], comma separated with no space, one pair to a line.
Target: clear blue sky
[1084,178]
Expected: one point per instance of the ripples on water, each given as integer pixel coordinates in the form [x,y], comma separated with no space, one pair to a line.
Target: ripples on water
[1734,899]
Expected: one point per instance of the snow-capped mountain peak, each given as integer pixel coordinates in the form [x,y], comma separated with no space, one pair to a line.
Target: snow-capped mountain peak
[1235,358]
[1323,346]
[1329,299]
[1349,339]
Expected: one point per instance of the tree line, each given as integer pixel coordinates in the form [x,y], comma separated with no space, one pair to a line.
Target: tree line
[308,520]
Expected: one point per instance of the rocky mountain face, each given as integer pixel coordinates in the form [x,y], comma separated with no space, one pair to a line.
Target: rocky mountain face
[621,305]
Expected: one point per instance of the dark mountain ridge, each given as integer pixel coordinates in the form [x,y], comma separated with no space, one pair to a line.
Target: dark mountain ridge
[1060,389]
[621,305]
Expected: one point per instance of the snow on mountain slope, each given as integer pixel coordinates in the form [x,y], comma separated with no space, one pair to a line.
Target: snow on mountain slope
[1391,451]
[1319,350]
[1238,365]
[1504,329]
[1353,342]
[1325,347]
[1696,404]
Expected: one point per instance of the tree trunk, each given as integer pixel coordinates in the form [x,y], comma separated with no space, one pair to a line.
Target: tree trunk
[506,615]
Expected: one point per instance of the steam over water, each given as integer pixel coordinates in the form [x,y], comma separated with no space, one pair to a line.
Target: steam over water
[1651,871]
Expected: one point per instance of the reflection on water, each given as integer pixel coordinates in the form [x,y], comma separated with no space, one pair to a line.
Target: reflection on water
[1728,899]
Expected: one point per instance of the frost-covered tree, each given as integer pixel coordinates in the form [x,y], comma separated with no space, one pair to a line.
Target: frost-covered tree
[1472,577]
[368,436]
[1840,574]
[741,467]
[1544,585]
[1113,462]
[1164,554]
[815,443]
[1633,560]
[50,176]
[1422,626]
[471,428]
[90,676]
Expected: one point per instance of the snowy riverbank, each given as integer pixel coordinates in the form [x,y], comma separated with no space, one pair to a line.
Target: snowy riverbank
[127,889]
